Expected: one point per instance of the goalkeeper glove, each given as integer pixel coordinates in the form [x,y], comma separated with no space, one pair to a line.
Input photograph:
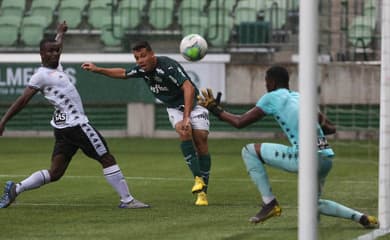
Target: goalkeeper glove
[208,101]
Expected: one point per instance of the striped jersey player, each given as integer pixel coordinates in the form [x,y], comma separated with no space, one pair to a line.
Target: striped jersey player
[72,129]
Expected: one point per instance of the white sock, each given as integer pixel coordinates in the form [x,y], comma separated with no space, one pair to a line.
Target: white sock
[35,180]
[268,199]
[115,177]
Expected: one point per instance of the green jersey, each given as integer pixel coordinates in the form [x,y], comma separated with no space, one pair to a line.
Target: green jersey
[165,81]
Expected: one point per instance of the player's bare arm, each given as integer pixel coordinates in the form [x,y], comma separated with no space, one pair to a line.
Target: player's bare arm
[208,101]
[326,125]
[240,121]
[109,72]
[18,105]
[61,30]
[189,92]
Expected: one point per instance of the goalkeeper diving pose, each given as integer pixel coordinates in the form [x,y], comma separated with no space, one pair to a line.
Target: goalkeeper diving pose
[283,104]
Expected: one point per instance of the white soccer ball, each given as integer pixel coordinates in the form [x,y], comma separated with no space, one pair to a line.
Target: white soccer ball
[193,47]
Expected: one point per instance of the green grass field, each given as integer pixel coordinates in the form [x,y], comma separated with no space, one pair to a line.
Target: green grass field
[82,205]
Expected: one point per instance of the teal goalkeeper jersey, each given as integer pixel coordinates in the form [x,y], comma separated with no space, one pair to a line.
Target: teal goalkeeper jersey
[165,81]
[283,105]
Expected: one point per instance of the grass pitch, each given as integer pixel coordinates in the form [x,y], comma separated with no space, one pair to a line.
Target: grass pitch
[82,205]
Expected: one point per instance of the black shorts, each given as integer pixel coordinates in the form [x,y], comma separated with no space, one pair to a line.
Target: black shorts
[84,136]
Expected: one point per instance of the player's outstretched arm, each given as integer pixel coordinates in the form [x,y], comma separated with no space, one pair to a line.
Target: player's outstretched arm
[18,105]
[109,72]
[238,121]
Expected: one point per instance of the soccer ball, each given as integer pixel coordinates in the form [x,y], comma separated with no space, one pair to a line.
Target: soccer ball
[193,47]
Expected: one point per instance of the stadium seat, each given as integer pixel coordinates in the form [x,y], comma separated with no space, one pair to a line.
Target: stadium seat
[370,10]
[194,24]
[43,8]
[13,8]
[254,32]
[130,12]
[246,10]
[71,12]
[98,10]
[32,30]
[112,32]
[161,13]
[360,32]
[220,30]
[189,8]
[275,12]
[9,30]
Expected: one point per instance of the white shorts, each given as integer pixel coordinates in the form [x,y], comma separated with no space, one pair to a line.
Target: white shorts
[199,117]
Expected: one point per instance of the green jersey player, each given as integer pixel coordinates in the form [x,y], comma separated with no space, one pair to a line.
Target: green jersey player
[283,105]
[169,83]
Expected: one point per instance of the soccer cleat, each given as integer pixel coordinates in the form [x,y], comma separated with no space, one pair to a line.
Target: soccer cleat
[9,194]
[201,199]
[267,211]
[133,204]
[198,185]
[369,222]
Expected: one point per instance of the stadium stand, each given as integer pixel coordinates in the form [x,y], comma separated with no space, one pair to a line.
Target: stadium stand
[275,12]
[112,32]
[32,30]
[247,10]
[43,8]
[192,17]
[220,30]
[131,13]
[9,29]
[161,13]
[360,32]
[13,8]
[98,10]
[71,11]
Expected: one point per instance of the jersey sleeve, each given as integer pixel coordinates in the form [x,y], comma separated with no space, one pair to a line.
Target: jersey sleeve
[266,103]
[133,72]
[36,81]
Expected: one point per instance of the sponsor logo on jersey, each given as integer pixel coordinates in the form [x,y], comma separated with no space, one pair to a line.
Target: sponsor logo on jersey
[157,88]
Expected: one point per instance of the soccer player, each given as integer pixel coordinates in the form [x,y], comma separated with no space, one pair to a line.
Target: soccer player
[169,83]
[72,129]
[283,104]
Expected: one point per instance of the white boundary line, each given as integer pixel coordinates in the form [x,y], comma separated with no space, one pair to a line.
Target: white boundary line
[374,234]
[189,179]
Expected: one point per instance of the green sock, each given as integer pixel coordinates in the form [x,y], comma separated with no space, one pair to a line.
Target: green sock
[190,157]
[205,165]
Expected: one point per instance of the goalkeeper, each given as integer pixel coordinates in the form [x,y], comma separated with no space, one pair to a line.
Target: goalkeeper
[283,105]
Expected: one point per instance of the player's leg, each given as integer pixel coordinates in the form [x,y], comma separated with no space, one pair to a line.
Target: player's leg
[201,126]
[94,145]
[200,138]
[334,209]
[62,153]
[255,167]
[188,149]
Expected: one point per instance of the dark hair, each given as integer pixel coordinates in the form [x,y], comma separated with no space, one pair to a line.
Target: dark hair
[279,74]
[142,44]
[43,42]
